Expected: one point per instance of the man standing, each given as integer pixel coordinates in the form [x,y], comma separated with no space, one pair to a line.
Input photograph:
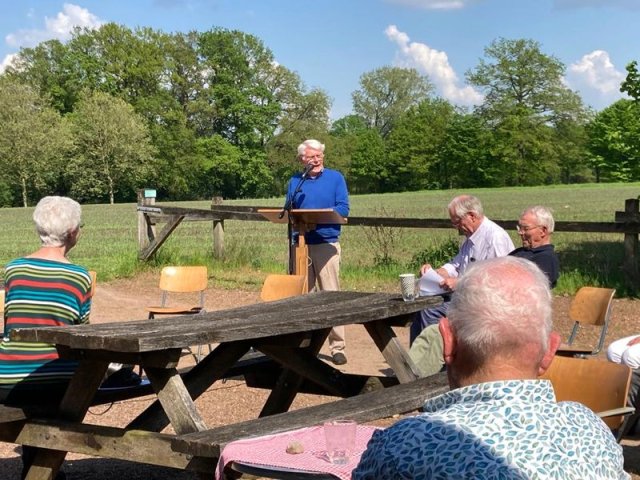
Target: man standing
[484,240]
[499,420]
[535,227]
[322,188]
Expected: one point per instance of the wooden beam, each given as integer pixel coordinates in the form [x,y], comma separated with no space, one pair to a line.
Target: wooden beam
[161,238]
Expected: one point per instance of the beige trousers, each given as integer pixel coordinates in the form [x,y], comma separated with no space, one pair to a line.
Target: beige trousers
[324,274]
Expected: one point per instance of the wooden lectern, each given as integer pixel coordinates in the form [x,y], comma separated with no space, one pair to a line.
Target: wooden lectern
[303,220]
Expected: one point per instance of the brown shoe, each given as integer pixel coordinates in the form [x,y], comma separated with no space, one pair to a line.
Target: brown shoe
[338,358]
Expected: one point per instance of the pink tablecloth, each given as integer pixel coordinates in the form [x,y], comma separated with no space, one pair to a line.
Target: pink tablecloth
[270,451]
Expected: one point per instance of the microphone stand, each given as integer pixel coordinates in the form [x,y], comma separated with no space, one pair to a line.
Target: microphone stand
[288,206]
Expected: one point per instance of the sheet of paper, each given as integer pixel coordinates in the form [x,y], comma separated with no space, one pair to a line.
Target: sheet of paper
[429,283]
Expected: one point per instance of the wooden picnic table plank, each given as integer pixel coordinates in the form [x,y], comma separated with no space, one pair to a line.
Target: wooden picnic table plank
[314,311]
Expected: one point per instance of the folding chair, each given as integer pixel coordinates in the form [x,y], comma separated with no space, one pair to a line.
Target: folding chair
[600,385]
[185,281]
[276,286]
[590,307]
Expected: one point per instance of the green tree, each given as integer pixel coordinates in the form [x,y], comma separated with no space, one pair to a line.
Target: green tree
[631,85]
[33,141]
[113,153]
[525,99]
[388,92]
[368,172]
[614,142]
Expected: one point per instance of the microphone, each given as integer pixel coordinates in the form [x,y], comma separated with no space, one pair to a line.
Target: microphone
[307,170]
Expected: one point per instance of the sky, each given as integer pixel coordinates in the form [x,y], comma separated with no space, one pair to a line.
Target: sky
[331,43]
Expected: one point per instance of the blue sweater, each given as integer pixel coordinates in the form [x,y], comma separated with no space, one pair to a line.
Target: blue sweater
[327,190]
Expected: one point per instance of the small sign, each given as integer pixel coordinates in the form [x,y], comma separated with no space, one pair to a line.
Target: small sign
[148,193]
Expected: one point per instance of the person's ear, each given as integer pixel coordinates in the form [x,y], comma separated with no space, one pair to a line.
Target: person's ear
[554,343]
[448,340]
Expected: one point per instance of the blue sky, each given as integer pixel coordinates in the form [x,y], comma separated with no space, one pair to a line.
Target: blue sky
[331,43]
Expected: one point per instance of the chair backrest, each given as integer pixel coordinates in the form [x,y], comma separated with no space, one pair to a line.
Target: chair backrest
[591,306]
[598,384]
[276,286]
[183,279]
[94,277]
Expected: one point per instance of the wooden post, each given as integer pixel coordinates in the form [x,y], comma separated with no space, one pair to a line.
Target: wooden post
[631,214]
[146,227]
[218,231]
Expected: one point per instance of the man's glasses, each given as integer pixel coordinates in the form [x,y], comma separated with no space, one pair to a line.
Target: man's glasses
[526,228]
[319,156]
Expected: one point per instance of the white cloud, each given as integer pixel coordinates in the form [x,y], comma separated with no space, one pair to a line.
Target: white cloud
[433,4]
[436,65]
[7,61]
[595,71]
[625,4]
[58,27]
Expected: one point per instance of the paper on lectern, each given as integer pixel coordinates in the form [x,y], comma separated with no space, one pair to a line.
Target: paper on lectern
[429,283]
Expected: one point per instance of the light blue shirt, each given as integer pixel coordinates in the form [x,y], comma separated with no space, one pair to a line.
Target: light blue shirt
[497,430]
[489,241]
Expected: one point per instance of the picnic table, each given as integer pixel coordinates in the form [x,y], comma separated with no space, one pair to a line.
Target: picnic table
[289,333]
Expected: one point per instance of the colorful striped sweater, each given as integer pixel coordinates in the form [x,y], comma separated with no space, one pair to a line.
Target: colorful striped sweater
[40,293]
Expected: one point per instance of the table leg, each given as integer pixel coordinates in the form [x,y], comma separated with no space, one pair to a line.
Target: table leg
[289,383]
[197,380]
[74,406]
[392,351]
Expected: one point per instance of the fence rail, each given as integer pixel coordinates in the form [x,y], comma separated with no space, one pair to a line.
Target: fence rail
[625,222]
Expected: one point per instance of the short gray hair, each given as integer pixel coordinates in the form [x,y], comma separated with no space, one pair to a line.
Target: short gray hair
[311,143]
[501,305]
[55,217]
[463,204]
[543,215]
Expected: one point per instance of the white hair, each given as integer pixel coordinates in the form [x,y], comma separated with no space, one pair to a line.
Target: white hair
[56,217]
[501,305]
[463,204]
[311,143]
[543,215]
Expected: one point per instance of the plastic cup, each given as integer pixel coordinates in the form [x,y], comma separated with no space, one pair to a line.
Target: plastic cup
[408,287]
[340,437]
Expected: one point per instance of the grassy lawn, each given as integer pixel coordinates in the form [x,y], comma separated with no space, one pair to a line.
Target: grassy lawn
[108,243]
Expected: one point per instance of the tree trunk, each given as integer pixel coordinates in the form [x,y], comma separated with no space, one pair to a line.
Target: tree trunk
[25,202]
[111,191]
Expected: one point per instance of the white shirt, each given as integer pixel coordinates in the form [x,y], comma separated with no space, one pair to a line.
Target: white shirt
[488,241]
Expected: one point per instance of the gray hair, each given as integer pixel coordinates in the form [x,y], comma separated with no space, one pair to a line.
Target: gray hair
[501,305]
[463,204]
[311,143]
[543,215]
[55,217]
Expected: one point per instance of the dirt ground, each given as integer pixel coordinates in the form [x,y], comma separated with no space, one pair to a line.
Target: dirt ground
[233,401]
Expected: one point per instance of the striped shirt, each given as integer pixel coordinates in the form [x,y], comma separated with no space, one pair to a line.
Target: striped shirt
[40,293]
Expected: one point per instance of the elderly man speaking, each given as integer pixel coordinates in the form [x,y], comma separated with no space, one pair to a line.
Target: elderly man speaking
[499,420]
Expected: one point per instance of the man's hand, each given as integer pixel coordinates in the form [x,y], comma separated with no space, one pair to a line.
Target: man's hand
[441,271]
[426,267]
[633,341]
[449,283]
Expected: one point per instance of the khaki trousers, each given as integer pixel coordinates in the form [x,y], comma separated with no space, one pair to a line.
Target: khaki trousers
[324,274]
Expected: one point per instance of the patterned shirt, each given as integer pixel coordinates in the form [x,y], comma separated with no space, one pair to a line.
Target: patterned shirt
[496,430]
[489,241]
[40,293]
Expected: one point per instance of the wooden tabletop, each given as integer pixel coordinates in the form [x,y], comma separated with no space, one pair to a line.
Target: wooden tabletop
[306,313]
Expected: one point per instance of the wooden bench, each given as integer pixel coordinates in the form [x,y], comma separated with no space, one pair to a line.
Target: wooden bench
[382,403]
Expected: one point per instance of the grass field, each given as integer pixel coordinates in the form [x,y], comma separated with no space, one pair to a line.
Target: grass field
[108,243]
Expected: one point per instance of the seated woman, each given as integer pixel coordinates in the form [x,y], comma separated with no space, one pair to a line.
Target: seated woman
[625,351]
[43,289]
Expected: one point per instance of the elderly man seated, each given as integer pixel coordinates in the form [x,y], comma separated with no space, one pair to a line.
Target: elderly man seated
[499,420]
[535,227]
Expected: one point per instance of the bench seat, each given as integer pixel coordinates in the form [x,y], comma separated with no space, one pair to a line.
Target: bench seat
[382,403]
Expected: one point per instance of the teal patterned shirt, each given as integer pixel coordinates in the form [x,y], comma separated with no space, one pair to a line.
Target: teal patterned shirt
[497,430]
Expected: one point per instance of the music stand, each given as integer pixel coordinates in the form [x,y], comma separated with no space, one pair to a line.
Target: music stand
[304,220]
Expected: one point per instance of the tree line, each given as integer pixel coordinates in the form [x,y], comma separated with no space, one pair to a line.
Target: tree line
[210,113]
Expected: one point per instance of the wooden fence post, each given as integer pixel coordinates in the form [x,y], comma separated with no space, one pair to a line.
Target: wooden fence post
[146,226]
[631,214]
[218,231]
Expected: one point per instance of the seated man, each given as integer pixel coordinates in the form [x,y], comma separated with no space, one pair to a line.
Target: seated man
[535,228]
[484,240]
[499,420]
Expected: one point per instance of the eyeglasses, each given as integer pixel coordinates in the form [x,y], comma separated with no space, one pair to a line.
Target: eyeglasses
[319,156]
[455,221]
[526,228]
